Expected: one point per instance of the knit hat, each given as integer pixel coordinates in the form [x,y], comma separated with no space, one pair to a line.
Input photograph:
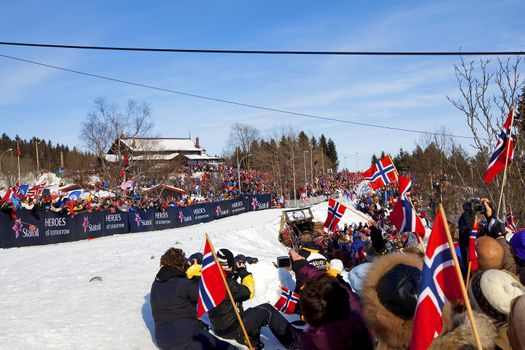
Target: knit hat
[397,290]
[491,291]
[225,257]
[336,264]
[517,242]
[356,276]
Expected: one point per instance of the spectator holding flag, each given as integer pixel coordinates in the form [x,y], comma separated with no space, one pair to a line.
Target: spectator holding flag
[223,318]
[173,301]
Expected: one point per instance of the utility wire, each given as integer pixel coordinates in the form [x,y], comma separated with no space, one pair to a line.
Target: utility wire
[272,52]
[270,109]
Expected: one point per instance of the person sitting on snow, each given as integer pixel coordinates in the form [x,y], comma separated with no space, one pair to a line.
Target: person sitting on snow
[224,320]
[173,300]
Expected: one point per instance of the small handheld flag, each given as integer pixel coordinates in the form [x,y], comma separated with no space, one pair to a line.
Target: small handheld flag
[335,212]
[287,301]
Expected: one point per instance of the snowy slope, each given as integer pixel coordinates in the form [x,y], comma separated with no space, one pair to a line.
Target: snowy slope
[48,302]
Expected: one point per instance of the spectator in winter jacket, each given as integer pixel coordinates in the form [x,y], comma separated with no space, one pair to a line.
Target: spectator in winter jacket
[173,301]
[330,308]
[223,317]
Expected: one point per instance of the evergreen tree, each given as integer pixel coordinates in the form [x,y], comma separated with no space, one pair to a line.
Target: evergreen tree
[323,144]
[332,153]
[373,160]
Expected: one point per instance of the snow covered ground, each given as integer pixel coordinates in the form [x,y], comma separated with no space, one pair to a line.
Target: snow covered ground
[48,302]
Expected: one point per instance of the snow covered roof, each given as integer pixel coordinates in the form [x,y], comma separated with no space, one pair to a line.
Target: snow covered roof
[160,144]
[112,158]
[200,157]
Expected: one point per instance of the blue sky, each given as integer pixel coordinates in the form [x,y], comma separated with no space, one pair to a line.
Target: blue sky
[406,92]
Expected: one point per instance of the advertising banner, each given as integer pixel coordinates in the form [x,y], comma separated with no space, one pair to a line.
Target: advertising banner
[201,213]
[221,209]
[165,219]
[88,225]
[141,220]
[115,223]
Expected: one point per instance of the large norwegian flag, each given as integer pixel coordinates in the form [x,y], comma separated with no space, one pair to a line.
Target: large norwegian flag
[211,286]
[404,216]
[504,151]
[472,254]
[439,284]
[335,213]
[381,173]
[287,301]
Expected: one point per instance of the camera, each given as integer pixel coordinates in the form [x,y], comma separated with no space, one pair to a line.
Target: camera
[284,261]
[474,205]
[246,259]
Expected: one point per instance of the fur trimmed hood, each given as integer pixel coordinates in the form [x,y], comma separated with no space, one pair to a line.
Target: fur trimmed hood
[391,330]
[457,333]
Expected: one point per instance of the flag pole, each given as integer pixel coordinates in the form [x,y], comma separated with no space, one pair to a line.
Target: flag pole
[230,294]
[460,278]
[18,159]
[506,161]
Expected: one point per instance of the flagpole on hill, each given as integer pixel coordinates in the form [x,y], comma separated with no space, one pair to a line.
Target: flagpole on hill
[506,162]
[18,158]
[460,278]
[230,294]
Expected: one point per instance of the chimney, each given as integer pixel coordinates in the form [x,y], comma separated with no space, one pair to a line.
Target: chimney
[197,142]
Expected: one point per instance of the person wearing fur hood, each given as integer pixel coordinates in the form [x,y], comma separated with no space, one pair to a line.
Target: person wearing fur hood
[389,298]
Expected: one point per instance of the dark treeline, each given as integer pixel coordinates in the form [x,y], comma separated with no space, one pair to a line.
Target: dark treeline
[49,156]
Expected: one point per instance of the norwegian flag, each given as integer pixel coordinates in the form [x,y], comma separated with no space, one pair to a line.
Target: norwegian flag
[211,286]
[511,222]
[381,173]
[472,254]
[287,301]
[404,216]
[19,191]
[36,190]
[439,284]
[335,213]
[504,148]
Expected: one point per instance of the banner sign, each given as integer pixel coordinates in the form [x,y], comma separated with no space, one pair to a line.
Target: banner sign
[89,225]
[221,209]
[25,230]
[57,228]
[47,227]
[141,220]
[202,213]
[184,216]
[165,219]
[115,223]
[260,202]
[239,206]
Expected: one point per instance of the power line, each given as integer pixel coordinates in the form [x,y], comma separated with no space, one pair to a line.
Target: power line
[270,109]
[271,52]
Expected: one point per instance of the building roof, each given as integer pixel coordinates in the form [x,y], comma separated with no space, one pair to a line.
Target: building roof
[200,157]
[113,158]
[136,144]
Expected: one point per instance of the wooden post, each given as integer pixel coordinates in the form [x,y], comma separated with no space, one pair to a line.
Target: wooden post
[460,278]
[230,294]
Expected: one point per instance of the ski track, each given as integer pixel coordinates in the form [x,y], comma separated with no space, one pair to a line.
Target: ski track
[47,301]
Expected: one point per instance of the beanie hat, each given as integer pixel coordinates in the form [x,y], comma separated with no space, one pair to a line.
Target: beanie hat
[356,276]
[517,242]
[491,291]
[225,257]
[336,264]
[397,290]
[196,256]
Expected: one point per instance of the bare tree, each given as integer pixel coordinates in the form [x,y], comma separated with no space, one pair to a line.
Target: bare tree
[486,96]
[106,124]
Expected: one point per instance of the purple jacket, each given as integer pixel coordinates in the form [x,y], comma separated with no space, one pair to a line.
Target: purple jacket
[348,333]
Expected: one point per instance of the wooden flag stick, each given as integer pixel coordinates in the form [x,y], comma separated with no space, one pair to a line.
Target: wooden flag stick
[230,294]
[506,161]
[460,279]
